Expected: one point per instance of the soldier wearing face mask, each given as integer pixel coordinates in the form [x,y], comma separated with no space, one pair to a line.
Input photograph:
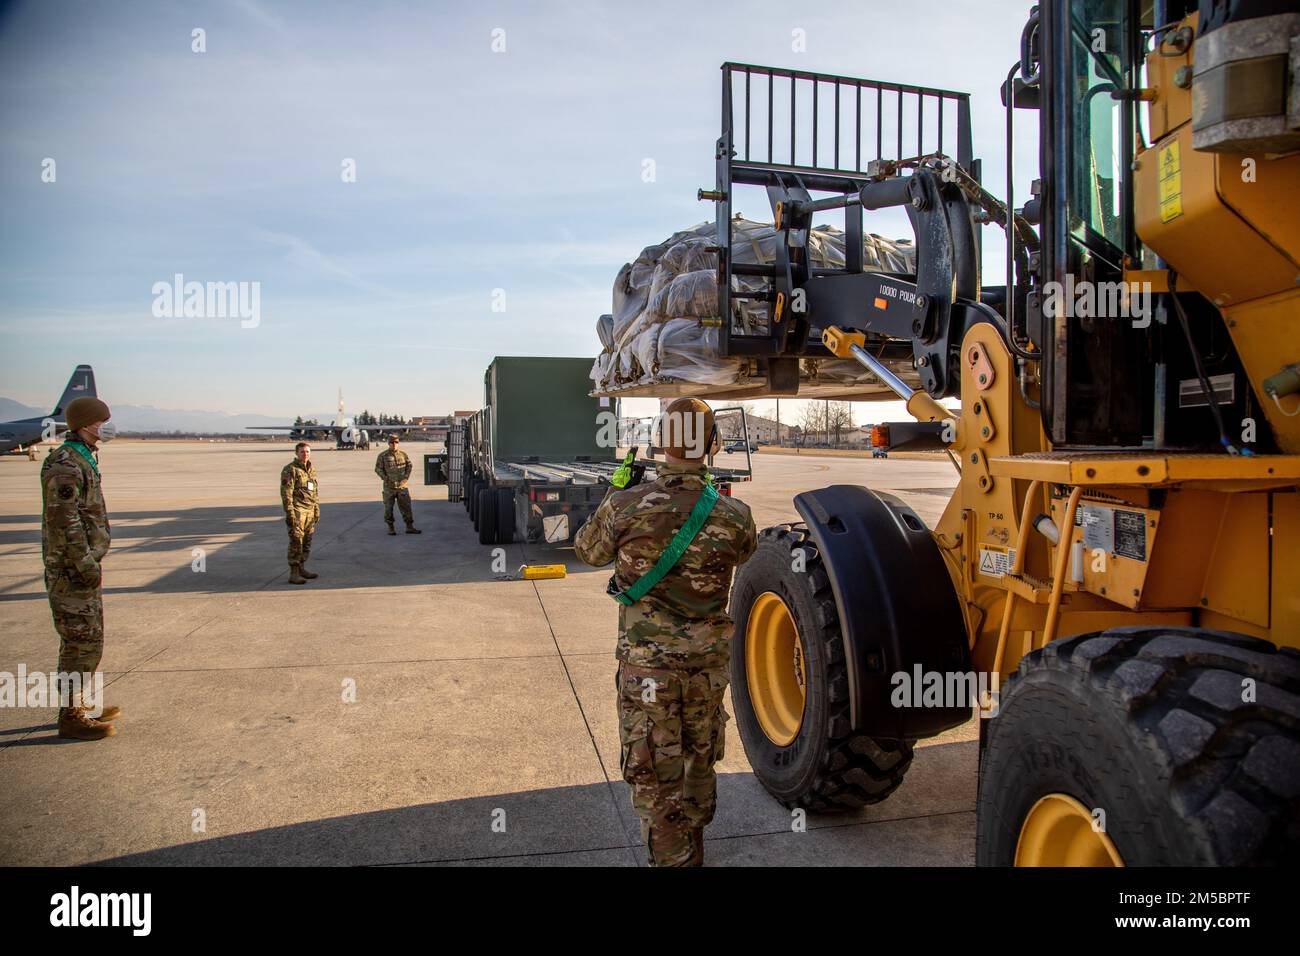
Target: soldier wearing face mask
[74,541]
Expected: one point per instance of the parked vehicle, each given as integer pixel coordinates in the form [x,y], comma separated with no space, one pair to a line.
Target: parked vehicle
[539,457]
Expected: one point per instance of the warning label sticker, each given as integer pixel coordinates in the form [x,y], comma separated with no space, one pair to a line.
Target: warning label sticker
[1171,183]
[995,561]
[1098,527]
[1131,535]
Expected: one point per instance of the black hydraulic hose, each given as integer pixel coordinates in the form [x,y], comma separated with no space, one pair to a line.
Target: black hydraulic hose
[1200,370]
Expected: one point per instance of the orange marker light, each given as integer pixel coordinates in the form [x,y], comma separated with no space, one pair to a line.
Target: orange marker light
[881,303]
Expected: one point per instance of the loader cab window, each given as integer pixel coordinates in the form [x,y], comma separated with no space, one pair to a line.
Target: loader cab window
[1099,32]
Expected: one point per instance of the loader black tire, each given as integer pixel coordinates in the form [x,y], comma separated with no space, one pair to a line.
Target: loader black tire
[826,767]
[1149,725]
[487,515]
[505,516]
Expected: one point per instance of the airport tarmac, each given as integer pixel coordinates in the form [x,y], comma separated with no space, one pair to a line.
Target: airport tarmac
[483,729]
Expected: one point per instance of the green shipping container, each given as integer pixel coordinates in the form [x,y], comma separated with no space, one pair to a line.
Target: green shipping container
[541,410]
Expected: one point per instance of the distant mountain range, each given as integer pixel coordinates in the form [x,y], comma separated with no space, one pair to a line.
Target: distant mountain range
[146,418]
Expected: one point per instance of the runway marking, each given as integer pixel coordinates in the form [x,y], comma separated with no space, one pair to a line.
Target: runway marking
[784,831]
[609,784]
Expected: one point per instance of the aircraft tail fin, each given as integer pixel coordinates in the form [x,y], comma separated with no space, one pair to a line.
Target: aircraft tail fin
[81,384]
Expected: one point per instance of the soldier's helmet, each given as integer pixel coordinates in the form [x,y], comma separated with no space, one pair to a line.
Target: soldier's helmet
[686,430]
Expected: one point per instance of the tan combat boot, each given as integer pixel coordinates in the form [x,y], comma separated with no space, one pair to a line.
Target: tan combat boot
[295,574]
[412,529]
[391,529]
[302,569]
[105,715]
[74,723]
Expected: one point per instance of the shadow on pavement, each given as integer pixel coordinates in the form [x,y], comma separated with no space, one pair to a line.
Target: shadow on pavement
[554,822]
[245,548]
[578,826]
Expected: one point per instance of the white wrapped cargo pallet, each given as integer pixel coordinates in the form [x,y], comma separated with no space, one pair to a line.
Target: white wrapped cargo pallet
[655,341]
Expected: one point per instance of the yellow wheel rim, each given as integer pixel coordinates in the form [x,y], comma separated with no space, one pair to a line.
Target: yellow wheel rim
[1058,831]
[774,667]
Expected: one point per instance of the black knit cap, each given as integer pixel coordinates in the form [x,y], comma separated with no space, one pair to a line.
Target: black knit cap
[86,411]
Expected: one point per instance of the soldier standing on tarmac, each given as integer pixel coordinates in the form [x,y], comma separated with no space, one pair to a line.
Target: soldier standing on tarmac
[74,540]
[394,467]
[674,543]
[299,493]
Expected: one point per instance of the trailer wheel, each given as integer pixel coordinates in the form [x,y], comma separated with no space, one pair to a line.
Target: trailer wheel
[487,515]
[476,508]
[505,516]
[790,687]
[1144,746]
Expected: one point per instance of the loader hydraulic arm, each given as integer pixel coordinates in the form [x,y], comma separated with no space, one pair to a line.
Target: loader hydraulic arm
[934,309]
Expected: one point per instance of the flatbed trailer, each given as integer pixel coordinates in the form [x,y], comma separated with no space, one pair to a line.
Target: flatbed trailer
[546,502]
[538,459]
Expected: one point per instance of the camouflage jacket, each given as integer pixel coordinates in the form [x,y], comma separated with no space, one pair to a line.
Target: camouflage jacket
[394,467]
[298,487]
[74,520]
[682,622]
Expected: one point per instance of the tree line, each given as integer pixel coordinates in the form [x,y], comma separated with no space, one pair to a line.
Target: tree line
[813,422]
[364,418]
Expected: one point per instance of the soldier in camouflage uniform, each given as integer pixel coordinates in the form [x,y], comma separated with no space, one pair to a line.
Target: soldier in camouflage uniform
[299,493]
[674,644]
[394,467]
[74,540]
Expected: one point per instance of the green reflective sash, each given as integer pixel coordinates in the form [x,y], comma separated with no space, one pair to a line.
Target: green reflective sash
[83,451]
[676,548]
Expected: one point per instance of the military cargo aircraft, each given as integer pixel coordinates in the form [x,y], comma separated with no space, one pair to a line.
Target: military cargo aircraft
[345,432]
[28,431]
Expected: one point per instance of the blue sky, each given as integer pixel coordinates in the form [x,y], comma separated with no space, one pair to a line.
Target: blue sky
[519,170]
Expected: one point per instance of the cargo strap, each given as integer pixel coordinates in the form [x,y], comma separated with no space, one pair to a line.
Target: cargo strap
[676,548]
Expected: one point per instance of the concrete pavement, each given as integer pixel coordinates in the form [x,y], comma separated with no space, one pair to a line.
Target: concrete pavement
[406,708]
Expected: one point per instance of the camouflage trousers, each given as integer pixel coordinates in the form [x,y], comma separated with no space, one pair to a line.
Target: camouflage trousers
[78,610]
[403,499]
[302,525]
[672,726]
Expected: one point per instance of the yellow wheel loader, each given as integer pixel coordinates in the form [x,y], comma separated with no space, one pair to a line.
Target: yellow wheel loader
[1115,583]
